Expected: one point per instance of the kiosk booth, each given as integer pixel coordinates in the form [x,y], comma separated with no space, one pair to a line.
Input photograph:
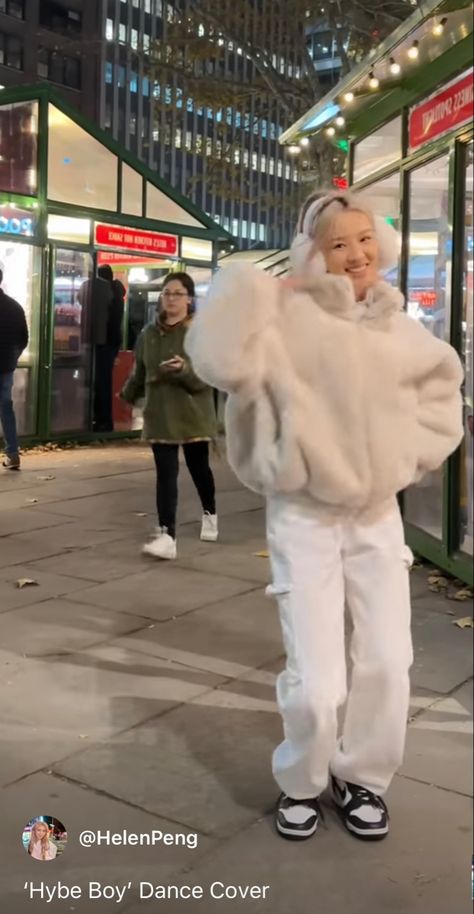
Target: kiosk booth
[72,199]
[405,117]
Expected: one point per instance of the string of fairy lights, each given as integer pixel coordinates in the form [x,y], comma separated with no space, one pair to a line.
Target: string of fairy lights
[372,84]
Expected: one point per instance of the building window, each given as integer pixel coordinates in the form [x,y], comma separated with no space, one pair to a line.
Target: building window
[109,29]
[134,39]
[109,72]
[59,18]
[122,33]
[11,51]
[428,294]
[59,69]
[13,8]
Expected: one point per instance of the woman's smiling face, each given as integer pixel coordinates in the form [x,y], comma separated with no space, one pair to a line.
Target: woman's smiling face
[350,248]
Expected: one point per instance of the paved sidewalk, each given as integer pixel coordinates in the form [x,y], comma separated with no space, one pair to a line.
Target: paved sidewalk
[140,696]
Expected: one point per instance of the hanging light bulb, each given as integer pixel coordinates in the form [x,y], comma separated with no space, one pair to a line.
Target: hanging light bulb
[414,51]
[330,131]
[348,97]
[294,150]
[304,141]
[340,121]
[438,27]
[373,81]
[395,67]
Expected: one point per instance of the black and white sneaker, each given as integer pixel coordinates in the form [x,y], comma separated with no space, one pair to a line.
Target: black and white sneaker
[364,814]
[297,818]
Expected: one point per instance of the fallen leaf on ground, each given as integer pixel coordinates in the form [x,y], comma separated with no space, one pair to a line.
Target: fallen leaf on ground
[462,595]
[83,736]
[264,554]
[45,478]
[439,580]
[26,582]
[31,501]
[140,514]
[467,622]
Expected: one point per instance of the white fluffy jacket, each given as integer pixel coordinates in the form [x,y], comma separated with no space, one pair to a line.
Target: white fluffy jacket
[344,402]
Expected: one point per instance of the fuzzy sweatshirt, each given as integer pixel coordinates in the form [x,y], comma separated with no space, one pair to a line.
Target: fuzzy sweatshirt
[333,400]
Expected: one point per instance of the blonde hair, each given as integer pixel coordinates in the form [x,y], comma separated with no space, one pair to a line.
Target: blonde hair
[319,211]
[317,215]
[44,840]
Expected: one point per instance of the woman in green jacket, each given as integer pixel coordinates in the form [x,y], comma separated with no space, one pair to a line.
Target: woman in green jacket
[179,410]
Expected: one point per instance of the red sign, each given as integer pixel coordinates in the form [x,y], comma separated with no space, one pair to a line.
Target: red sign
[340,183]
[442,112]
[130,239]
[128,259]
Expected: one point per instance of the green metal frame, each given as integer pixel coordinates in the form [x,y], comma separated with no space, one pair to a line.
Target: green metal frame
[389,104]
[44,95]
[445,552]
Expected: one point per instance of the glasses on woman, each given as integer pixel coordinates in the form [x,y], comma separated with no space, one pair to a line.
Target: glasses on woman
[175,294]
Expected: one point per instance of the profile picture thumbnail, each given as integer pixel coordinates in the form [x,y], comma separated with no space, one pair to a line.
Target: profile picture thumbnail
[44,838]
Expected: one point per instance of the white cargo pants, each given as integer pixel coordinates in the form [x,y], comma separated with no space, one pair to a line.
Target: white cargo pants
[318,568]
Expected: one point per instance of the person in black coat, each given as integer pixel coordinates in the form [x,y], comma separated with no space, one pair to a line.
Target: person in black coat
[13,341]
[105,359]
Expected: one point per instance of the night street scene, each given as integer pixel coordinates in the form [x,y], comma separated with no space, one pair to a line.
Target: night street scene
[236,456]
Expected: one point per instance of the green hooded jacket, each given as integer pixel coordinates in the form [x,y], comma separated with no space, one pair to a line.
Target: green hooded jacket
[179,407]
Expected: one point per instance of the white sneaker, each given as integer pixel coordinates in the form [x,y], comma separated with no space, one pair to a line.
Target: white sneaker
[163,546]
[209,531]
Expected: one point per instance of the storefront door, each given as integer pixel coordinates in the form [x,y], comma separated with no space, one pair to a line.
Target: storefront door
[21,266]
[71,370]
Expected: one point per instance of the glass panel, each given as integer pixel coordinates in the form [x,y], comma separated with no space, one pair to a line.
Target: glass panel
[21,265]
[159,206]
[378,150]
[384,198]
[18,147]
[196,249]
[132,187]
[71,376]
[67,228]
[80,169]
[429,277]
[467,469]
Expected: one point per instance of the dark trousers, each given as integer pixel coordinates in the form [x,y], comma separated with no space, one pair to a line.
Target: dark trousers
[7,414]
[196,454]
[105,356]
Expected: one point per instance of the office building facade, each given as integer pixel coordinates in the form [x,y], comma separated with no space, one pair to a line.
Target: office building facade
[179,138]
[54,40]
[98,53]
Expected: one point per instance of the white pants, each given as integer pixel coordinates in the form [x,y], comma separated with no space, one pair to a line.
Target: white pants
[318,568]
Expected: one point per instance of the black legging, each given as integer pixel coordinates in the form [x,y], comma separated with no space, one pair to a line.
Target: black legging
[196,454]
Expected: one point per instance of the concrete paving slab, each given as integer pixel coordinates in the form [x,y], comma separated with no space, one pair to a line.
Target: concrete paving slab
[49,584]
[80,809]
[100,691]
[204,766]
[24,521]
[24,548]
[443,652]
[105,507]
[439,743]
[420,868]
[244,629]
[98,565]
[61,626]
[29,547]
[241,563]
[26,749]
[164,591]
